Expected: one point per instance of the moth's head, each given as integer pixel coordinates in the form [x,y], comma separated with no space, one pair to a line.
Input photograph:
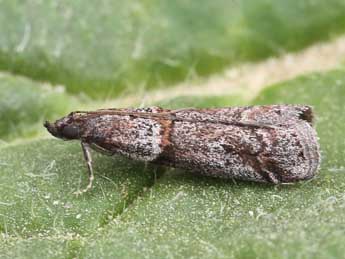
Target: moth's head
[67,128]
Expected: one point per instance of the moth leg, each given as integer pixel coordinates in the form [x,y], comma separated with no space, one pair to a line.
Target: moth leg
[88,159]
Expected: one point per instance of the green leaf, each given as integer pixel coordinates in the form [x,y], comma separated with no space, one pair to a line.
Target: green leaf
[183,214]
[59,246]
[186,215]
[104,47]
[38,180]
[25,104]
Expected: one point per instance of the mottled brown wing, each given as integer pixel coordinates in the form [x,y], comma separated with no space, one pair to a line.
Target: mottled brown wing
[257,116]
[267,115]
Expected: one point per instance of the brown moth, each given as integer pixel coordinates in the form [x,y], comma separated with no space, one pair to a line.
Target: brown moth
[271,143]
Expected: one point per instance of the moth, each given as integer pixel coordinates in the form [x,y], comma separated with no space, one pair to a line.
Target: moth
[270,143]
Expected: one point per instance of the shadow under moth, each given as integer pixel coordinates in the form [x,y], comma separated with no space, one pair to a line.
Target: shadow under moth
[270,143]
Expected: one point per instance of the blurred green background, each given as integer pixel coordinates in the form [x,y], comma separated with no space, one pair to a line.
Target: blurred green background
[60,56]
[102,48]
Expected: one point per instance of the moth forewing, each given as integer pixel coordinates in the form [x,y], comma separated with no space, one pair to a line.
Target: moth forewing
[272,143]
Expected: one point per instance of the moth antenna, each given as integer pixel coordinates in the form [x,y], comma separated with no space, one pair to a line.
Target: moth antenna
[87,156]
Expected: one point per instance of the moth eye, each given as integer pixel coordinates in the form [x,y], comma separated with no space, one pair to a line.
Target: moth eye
[70,132]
